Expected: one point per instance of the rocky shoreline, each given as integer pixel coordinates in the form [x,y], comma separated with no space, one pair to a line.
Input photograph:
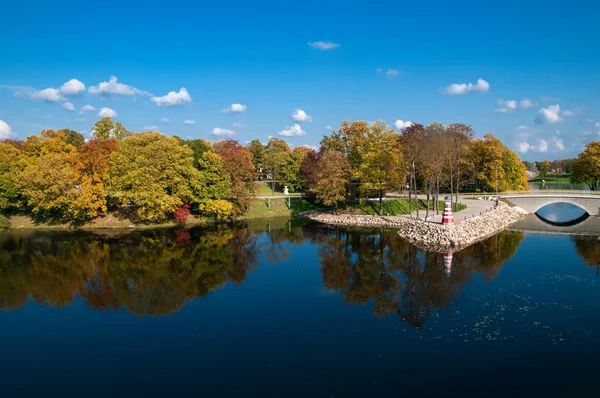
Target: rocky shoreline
[432,236]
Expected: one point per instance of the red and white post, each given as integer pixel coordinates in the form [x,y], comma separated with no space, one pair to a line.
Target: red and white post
[448,217]
[448,262]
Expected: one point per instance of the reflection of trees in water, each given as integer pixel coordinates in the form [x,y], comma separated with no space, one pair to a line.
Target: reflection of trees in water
[156,272]
[397,276]
[588,248]
[147,273]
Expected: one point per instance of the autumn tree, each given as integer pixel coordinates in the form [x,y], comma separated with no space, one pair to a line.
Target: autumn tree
[381,168]
[493,162]
[106,128]
[277,155]
[457,146]
[413,144]
[310,168]
[332,178]
[544,167]
[586,168]
[153,173]
[10,167]
[90,165]
[213,188]
[237,162]
[48,184]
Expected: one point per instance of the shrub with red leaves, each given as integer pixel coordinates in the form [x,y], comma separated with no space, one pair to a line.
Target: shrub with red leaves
[182,213]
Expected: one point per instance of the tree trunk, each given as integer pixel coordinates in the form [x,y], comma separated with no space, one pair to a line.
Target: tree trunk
[380,203]
[427,210]
[272,187]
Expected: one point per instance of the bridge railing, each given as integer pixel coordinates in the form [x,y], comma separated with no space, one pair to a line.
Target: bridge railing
[565,192]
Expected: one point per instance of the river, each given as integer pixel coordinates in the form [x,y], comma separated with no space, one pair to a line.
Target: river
[289,309]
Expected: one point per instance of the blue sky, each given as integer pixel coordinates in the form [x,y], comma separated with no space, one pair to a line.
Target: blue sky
[394,61]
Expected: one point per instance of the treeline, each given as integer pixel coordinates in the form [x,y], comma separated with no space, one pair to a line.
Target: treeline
[58,174]
[361,160]
[585,169]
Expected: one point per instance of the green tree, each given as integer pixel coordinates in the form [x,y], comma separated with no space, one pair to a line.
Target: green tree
[381,166]
[586,168]
[332,178]
[257,149]
[198,148]
[277,155]
[106,128]
[154,173]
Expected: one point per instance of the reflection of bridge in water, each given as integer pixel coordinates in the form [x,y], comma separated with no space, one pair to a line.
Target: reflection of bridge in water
[534,223]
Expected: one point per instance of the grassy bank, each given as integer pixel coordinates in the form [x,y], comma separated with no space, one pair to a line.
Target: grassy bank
[109,221]
[279,207]
[258,209]
[553,179]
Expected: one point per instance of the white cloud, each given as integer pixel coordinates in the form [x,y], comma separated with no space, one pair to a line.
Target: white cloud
[151,128]
[173,98]
[234,108]
[569,113]
[379,70]
[526,103]
[550,115]
[47,95]
[237,125]
[558,143]
[464,88]
[392,73]
[165,120]
[5,130]
[328,127]
[300,116]
[400,124]
[542,145]
[87,108]
[68,106]
[189,122]
[323,45]
[293,131]
[507,106]
[72,87]
[107,112]
[113,87]
[597,125]
[523,147]
[220,131]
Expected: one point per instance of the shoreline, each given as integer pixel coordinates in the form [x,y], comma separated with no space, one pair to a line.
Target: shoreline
[432,236]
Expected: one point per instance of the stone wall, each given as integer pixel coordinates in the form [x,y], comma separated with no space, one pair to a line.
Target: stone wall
[432,236]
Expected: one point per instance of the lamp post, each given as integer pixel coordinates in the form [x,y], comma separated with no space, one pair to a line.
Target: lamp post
[497,184]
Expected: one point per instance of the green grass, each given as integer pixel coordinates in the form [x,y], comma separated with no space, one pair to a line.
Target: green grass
[279,208]
[553,179]
[395,207]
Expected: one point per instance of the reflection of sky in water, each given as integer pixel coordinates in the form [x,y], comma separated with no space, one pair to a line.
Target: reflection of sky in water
[561,212]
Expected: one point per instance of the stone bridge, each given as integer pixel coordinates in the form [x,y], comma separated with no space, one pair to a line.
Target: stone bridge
[531,202]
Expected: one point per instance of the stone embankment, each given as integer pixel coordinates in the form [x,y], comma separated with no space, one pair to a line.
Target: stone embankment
[428,235]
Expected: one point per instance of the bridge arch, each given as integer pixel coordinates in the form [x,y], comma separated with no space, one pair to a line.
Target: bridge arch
[531,203]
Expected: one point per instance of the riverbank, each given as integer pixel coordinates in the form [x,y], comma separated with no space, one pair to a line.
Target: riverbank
[431,235]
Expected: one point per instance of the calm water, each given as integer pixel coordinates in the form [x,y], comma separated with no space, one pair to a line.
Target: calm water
[292,310]
[535,186]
